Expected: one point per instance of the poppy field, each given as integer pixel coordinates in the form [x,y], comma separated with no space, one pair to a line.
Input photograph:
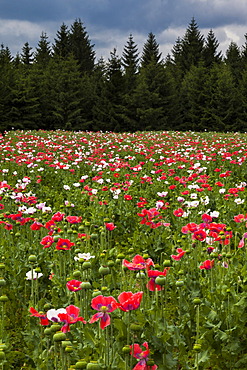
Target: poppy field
[123,250]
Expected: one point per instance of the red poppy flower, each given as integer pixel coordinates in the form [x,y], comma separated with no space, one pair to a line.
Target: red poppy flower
[74,285]
[137,352]
[180,254]
[207,265]
[58,217]
[36,226]
[73,219]
[199,235]
[178,212]
[110,226]
[103,305]
[138,263]
[130,301]
[43,319]
[47,241]
[64,244]
[70,317]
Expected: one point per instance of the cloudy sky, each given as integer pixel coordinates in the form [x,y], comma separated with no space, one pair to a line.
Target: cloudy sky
[110,22]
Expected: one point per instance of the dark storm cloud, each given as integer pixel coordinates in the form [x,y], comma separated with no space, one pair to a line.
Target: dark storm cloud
[141,15]
[109,22]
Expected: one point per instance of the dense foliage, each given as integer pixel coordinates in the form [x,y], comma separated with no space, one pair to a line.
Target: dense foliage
[123,250]
[61,86]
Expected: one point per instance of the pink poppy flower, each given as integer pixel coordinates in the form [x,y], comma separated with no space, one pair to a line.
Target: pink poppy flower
[153,274]
[47,241]
[138,263]
[74,285]
[73,219]
[137,352]
[103,305]
[110,226]
[180,254]
[70,317]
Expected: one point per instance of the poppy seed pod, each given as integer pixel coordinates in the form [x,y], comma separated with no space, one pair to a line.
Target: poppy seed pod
[104,270]
[32,258]
[93,366]
[59,337]
[81,364]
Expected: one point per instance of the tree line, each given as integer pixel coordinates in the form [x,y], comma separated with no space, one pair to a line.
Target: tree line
[62,86]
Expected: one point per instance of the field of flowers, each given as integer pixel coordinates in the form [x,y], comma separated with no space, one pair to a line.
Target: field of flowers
[123,251]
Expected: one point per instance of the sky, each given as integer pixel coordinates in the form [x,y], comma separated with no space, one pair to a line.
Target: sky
[110,22]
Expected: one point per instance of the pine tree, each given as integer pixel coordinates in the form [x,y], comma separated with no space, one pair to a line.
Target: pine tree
[43,50]
[192,46]
[210,54]
[81,47]
[150,52]
[61,47]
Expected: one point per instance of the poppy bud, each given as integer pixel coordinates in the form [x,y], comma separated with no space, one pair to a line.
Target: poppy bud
[145,256]
[179,283]
[104,288]
[197,347]
[120,256]
[228,255]
[110,263]
[2,355]
[47,306]
[2,266]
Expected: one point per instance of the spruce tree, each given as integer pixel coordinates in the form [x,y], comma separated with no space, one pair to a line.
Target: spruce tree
[81,47]
[233,60]
[210,54]
[27,54]
[43,50]
[61,46]
[192,46]
[150,52]
[130,63]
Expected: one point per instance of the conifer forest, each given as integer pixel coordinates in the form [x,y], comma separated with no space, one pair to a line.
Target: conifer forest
[61,85]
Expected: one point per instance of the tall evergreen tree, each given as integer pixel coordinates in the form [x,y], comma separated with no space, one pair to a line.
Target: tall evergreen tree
[64,85]
[61,46]
[27,54]
[150,52]
[192,46]
[233,60]
[81,47]
[43,50]
[130,63]
[109,108]
[210,54]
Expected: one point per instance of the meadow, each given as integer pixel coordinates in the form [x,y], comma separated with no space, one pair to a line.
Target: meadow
[123,250]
